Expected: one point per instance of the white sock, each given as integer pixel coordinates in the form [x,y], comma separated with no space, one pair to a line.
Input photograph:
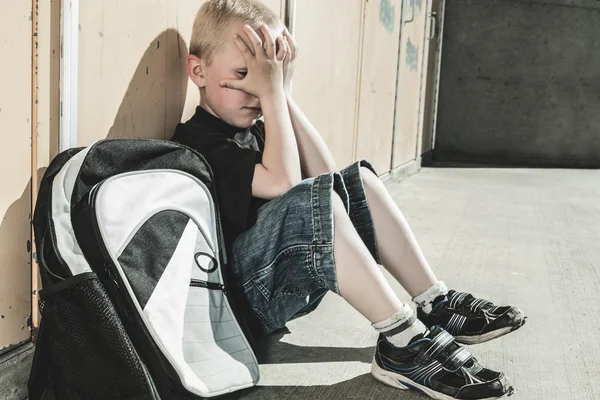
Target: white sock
[401,327]
[424,300]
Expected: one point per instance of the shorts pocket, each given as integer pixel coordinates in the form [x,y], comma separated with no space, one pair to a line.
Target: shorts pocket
[280,290]
[290,274]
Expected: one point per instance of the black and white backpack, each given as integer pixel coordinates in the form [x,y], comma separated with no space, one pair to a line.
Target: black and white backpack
[134,304]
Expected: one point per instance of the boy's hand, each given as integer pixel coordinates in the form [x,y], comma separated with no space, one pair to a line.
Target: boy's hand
[264,64]
[290,58]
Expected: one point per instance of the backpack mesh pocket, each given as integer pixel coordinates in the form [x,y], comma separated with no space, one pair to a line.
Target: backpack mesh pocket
[83,351]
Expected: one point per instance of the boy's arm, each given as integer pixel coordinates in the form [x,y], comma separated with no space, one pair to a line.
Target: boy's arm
[280,167]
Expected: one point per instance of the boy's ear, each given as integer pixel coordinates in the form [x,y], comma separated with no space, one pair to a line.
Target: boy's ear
[196,70]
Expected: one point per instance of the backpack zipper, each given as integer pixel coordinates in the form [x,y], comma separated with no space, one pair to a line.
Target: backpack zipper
[207,285]
[124,303]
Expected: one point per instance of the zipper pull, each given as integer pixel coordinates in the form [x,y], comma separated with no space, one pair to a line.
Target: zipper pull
[207,285]
[111,276]
[216,286]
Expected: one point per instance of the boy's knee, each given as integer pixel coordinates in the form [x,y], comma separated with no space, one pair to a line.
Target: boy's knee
[337,203]
[368,177]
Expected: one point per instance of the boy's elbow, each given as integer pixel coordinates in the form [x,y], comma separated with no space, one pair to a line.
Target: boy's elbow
[295,181]
[286,185]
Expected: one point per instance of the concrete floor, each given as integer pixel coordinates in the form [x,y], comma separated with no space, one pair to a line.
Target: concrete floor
[514,236]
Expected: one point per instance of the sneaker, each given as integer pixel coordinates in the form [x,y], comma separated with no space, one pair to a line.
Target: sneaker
[438,367]
[471,320]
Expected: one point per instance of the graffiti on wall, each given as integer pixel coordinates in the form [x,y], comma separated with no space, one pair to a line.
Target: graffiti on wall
[387,15]
[418,5]
[412,56]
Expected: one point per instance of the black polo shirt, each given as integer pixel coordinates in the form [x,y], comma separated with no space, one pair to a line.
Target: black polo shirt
[232,154]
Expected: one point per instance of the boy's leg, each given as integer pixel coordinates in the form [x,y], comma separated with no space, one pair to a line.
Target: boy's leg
[407,355]
[362,283]
[471,320]
[384,229]
[303,242]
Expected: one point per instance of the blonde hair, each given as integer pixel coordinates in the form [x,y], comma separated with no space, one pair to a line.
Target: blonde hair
[214,16]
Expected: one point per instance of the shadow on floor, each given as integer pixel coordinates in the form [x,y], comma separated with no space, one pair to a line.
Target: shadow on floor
[275,351]
[363,387]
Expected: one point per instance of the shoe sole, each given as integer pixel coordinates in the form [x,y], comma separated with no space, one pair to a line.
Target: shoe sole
[401,382]
[486,337]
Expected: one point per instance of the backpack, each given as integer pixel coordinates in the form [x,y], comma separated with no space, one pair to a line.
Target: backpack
[134,302]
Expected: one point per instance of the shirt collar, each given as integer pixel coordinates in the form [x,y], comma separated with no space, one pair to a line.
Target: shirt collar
[204,117]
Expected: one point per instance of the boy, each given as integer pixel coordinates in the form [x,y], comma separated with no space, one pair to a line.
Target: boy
[290,239]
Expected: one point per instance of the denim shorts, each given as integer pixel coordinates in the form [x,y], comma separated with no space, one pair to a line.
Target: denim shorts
[284,264]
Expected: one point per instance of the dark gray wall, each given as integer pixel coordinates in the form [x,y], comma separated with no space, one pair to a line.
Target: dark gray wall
[520,83]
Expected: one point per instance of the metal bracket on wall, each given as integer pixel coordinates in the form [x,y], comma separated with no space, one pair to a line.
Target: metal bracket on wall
[408,13]
[433,26]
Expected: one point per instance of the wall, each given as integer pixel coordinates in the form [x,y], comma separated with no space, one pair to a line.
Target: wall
[15,171]
[378,76]
[132,81]
[411,78]
[362,75]
[326,77]
[520,83]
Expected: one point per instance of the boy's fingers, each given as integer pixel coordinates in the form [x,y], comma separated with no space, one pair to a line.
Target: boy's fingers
[286,47]
[243,47]
[269,41]
[292,42]
[247,42]
[231,84]
[281,52]
[257,44]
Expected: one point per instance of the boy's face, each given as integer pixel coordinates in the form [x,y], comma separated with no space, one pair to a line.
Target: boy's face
[235,107]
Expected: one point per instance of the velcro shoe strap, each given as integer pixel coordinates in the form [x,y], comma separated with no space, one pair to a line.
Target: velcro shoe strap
[437,345]
[478,304]
[457,359]
[457,299]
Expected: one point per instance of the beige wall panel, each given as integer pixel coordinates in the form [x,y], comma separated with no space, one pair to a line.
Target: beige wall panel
[48,82]
[132,81]
[326,76]
[184,19]
[15,167]
[408,102]
[378,83]
[48,110]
